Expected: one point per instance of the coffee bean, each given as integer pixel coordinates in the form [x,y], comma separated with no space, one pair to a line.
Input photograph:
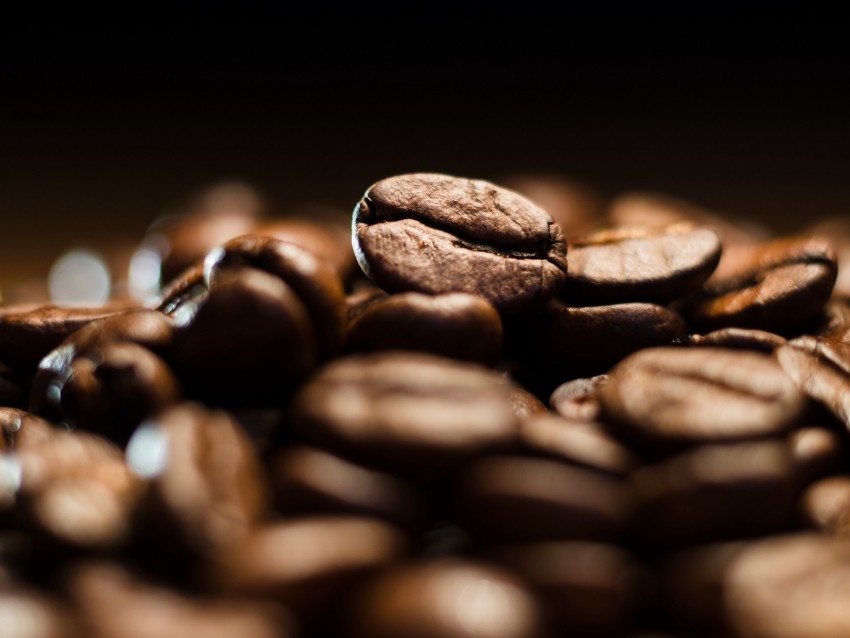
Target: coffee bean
[821,369]
[576,399]
[816,452]
[575,207]
[456,325]
[825,505]
[780,286]
[675,396]
[834,322]
[444,598]
[27,613]
[640,264]
[584,588]
[739,339]
[790,587]
[311,481]
[716,492]
[528,499]
[435,233]
[525,404]
[406,412]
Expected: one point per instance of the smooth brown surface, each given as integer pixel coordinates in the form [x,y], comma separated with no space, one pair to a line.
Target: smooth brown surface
[437,233]
[816,452]
[739,339]
[577,399]
[825,506]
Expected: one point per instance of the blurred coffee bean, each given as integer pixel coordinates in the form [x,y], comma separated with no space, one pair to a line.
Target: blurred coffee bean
[555,342]
[306,563]
[17,424]
[205,487]
[816,452]
[577,399]
[436,233]
[444,598]
[672,396]
[777,288]
[739,339]
[456,325]
[576,443]
[791,586]
[825,505]
[716,492]
[528,499]
[27,334]
[691,586]
[637,263]
[837,229]
[525,404]
[573,206]
[407,412]
[821,369]
[584,588]
[312,481]
[75,488]
[26,613]
[114,603]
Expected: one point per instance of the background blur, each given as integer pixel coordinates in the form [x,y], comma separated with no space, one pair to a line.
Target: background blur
[101,129]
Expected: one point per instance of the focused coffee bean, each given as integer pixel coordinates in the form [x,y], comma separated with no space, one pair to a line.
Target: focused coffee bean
[816,452]
[205,488]
[790,587]
[779,287]
[112,602]
[555,342]
[306,563]
[626,264]
[528,499]
[577,399]
[684,396]
[825,505]
[576,443]
[406,412]
[435,233]
[311,481]
[821,369]
[456,325]
[716,492]
[444,598]
[584,588]
[739,339]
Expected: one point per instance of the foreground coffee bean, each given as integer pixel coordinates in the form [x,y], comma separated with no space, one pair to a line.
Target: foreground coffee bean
[436,233]
[406,412]
[625,264]
[448,598]
[684,396]
[790,587]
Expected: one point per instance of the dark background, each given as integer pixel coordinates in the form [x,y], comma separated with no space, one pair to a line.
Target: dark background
[105,122]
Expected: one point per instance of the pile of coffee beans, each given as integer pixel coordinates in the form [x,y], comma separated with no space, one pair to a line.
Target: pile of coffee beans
[626,420]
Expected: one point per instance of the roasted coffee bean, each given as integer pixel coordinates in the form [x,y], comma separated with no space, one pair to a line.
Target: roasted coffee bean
[306,563]
[834,322]
[671,396]
[28,333]
[526,405]
[739,339]
[587,589]
[577,400]
[26,613]
[528,499]
[821,369]
[205,486]
[575,207]
[777,288]
[444,598]
[838,231]
[555,341]
[407,412]
[816,452]
[74,487]
[576,443]
[435,233]
[312,481]
[626,264]
[690,586]
[825,505]
[115,603]
[716,492]
[456,325]
[790,587]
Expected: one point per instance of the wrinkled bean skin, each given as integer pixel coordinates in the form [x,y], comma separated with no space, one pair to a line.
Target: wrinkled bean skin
[436,233]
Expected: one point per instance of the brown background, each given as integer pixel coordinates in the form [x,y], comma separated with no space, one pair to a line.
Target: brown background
[101,128]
